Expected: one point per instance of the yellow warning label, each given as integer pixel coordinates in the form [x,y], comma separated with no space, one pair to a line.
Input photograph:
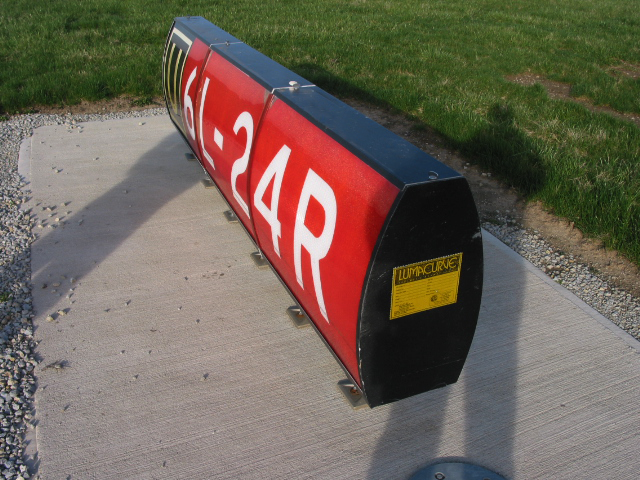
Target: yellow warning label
[425,285]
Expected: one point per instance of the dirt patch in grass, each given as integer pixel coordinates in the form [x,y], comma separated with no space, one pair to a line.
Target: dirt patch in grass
[627,70]
[493,199]
[123,103]
[562,91]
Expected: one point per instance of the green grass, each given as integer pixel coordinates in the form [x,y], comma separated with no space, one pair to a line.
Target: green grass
[441,62]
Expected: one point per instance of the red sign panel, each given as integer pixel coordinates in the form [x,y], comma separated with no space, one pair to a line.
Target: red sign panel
[190,81]
[230,106]
[315,209]
[318,211]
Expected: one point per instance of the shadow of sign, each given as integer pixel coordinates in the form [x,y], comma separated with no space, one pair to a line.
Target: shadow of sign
[502,148]
[472,420]
[81,221]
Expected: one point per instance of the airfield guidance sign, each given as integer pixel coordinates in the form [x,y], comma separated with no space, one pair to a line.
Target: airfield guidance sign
[379,243]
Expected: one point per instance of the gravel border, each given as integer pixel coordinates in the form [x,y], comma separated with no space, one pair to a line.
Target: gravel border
[17,361]
[619,306]
[17,345]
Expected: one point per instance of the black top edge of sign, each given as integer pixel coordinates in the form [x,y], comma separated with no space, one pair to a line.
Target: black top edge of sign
[267,72]
[206,31]
[399,161]
[396,159]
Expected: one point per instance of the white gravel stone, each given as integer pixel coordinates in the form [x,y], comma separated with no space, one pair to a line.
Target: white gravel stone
[619,306]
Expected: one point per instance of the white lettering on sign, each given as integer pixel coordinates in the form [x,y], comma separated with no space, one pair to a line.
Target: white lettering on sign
[274,171]
[318,247]
[218,138]
[244,120]
[314,187]
[204,150]
[188,104]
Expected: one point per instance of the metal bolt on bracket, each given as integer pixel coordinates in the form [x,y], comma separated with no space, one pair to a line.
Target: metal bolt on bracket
[207,183]
[298,317]
[230,216]
[259,260]
[352,394]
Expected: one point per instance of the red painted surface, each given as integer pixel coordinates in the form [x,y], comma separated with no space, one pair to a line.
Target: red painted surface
[331,206]
[363,199]
[230,104]
[190,79]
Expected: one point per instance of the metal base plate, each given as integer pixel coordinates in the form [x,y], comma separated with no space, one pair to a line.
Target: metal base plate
[455,471]
[298,317]
[259,260]
[352,394]
[208,183]
[230,216]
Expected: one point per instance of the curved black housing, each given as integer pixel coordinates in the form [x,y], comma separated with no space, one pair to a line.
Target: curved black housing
[425,350]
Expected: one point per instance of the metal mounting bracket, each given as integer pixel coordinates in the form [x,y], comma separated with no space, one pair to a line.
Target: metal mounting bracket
[259,260]
[230,216]
[298,317]
[352,394]
[208,183]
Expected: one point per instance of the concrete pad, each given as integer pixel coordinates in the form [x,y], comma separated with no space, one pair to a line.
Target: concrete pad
[179,360]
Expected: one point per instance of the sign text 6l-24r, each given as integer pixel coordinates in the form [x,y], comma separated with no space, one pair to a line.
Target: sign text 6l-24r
[335,202]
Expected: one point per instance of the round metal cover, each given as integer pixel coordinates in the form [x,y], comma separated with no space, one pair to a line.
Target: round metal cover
[455,471]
